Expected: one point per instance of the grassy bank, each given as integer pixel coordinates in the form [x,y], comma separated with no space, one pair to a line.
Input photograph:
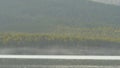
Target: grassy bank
[36,38]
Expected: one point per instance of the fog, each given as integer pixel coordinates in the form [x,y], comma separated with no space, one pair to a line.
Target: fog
[112,2]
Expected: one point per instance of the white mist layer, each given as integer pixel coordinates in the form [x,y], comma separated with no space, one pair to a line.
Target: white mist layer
[112,2]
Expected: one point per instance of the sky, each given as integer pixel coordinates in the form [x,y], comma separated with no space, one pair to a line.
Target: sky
[112,2]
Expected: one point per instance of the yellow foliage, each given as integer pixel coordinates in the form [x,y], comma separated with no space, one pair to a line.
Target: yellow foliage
[105,34]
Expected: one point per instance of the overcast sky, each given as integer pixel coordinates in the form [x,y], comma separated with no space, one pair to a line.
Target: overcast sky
[115,2]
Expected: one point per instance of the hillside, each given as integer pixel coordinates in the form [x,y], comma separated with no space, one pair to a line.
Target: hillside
[47,15]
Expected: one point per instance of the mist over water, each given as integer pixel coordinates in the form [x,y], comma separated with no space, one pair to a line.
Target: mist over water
[57,49]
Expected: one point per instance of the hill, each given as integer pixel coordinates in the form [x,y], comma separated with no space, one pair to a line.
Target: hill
[48,15]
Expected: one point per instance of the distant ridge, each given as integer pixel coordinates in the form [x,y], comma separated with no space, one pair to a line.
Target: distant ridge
[46,15]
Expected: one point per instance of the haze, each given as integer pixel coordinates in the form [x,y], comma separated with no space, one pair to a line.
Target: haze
[112,2]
